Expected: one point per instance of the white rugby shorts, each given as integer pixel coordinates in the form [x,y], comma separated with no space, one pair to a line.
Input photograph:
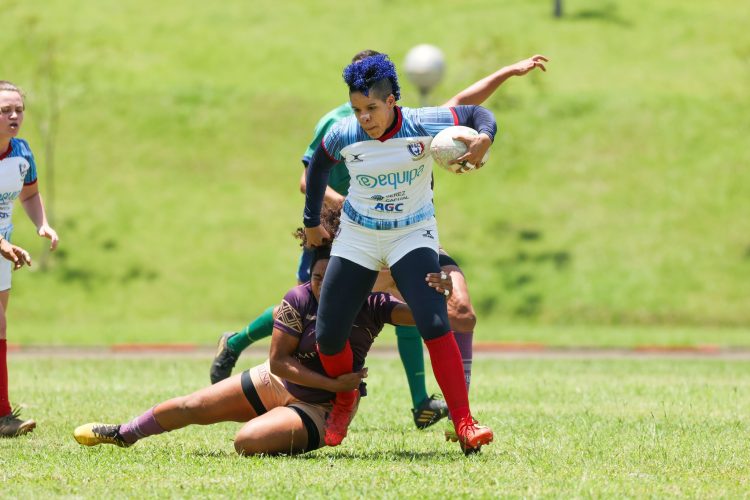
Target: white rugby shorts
[6,267]
[378,248]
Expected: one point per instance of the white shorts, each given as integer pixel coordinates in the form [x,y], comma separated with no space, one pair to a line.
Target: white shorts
[5,269]
[378,248]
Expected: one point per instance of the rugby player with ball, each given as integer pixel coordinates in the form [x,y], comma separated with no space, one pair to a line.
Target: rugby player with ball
[426,409]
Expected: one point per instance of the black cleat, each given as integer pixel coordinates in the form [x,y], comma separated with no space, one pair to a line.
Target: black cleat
[430,411]
[224,361]
[12,426]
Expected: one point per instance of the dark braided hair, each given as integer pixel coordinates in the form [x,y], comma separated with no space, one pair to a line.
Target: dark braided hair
[329,219]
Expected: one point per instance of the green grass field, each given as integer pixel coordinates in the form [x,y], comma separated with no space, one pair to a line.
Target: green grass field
[617,194]
[613,213]
[564,429]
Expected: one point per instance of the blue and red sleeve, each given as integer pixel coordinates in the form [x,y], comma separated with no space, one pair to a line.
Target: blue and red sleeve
[480,119]
[318,171]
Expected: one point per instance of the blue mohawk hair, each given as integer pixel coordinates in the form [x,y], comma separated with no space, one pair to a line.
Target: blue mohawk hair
[362,75]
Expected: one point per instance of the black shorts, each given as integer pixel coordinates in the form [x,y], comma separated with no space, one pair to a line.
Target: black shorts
[446,260]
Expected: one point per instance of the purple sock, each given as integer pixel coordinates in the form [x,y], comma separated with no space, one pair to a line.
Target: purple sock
[465,341]
[141,427]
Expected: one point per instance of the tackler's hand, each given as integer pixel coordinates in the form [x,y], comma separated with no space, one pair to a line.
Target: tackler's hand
[441,282]
[350,381]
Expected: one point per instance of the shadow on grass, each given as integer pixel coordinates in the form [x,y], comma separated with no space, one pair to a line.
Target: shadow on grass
[394,456]
[213,454]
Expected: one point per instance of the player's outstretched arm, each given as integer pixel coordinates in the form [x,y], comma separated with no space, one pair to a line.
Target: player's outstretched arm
[285,365]
[479,91]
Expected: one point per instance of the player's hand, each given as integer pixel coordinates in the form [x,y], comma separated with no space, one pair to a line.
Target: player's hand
[17,255]
[441,282]
[477,146]
[47,232]
[316,236]
[522,67]
[349,381]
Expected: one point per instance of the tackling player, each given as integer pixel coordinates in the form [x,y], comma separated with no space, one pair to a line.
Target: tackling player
[283,401]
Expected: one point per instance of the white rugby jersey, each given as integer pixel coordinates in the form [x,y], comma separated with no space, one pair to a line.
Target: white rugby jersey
[391,177]
[17,169]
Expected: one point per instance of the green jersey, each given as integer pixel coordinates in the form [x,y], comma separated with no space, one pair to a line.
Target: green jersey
[338,179]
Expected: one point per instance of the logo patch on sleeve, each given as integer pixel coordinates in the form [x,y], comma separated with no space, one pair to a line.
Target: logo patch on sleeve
[289,317]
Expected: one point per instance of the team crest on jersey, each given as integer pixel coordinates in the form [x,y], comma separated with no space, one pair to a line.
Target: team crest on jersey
[23,167]
[416,150]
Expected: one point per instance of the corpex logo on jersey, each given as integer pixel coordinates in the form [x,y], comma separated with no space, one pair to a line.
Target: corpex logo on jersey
[417,150]
[394,179]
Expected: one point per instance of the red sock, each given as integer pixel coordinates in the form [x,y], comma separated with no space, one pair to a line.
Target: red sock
[4,403]
[339,364]
[449,373]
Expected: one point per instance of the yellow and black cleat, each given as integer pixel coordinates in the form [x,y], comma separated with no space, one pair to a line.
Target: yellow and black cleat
[95,433]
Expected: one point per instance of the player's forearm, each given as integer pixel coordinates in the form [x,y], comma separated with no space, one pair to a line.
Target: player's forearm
[34,208]
[289,368]
[316,184]
[480,119]
[479,91]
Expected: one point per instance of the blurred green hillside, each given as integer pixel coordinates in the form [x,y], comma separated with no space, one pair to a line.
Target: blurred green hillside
[618,191]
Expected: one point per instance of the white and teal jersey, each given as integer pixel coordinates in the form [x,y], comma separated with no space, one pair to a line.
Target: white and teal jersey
[17,169]
[391,177]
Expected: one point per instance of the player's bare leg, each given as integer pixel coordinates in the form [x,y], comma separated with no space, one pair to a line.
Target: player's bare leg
[222,402]
[280,430]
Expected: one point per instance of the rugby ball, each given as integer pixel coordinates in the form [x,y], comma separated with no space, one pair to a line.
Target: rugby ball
[424,66]
[444,148]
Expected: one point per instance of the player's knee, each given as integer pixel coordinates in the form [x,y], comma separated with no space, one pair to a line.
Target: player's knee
[245,447]
[330,344]
[436,328]
[195,406]
[463,318]
[249,441]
